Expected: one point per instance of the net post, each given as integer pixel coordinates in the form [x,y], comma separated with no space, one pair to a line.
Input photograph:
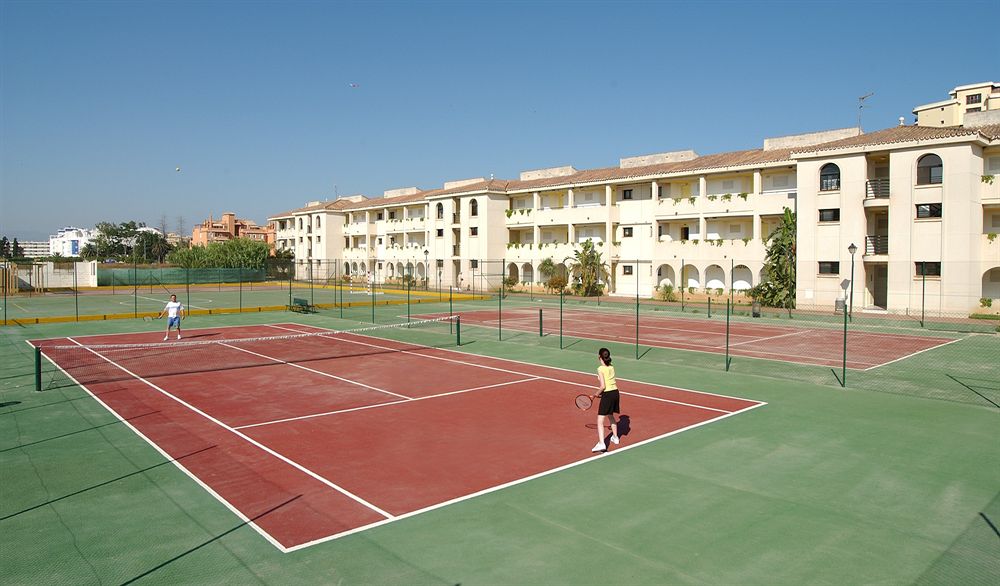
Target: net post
[843,371]
[408,281]
[540,334]
[458,330]
[187,286]
[340,293]
[135,286]
[371,290]
[451,309]
[709,306]
[239,275]
[38,368]
[6,273]
[312,288]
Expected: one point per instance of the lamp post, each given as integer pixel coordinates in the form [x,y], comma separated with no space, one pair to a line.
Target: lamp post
[852,249]
[427,269]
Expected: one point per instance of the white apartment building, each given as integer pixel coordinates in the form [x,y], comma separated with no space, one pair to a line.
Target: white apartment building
[907,197]
[69,241]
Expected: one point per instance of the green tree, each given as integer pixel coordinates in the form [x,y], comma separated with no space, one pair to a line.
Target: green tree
[238,253]
[778,287]
[588,270]
[4,247]
[15,250]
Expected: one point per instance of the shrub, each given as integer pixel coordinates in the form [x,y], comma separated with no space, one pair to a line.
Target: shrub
[691,290]
[666,293]
[556,283]
[986,302]
[718,291]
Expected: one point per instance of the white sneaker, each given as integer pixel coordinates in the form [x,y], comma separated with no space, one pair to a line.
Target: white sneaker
[600,447]
[615,440]
[178,336]
[164,338]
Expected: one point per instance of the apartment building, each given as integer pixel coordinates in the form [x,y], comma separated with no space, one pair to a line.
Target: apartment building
[69,241]
[975,104]
[906,197]
[229,227]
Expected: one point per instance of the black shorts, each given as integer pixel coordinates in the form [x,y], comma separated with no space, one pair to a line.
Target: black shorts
[609,403]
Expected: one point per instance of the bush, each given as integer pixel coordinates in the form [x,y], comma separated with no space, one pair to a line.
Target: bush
[510,282]
[556,283]
[666,293]
[986,302]
[718,291]
[691,290]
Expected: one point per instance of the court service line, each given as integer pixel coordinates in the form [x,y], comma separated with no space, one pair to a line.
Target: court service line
[339,411]
[521,480]
[314,371]
[772,337]
[913,354]
[513,371]
[241,435]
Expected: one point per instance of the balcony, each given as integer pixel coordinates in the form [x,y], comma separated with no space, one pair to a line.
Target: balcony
[519,216]
[876,189]
[876,245]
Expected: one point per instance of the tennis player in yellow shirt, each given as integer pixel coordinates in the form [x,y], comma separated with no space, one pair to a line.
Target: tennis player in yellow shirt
[607,392]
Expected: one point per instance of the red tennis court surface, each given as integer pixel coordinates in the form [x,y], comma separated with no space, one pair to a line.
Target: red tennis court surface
[801,345]
[315,438]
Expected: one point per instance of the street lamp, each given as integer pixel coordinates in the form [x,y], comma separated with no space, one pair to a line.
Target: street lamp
[852,249]
[427,269]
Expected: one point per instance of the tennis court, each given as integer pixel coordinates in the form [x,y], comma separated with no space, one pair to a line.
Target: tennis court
[311,434]
[807,344]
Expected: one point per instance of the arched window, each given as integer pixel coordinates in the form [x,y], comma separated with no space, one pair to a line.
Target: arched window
[473,208]
[930,171]
[829,177]
[317,222]
[440,211]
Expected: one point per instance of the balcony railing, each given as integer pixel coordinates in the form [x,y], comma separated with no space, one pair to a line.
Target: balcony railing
[876,188]
[876,245]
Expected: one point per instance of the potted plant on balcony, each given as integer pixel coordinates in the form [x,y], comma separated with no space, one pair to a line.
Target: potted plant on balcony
[744,195]
[727,197]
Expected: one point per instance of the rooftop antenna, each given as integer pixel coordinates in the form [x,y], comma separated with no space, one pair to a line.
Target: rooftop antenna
[861,105]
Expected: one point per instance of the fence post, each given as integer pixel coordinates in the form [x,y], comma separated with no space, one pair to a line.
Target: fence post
[540,331]
[371,290]
[560,319]
[76,294]
[843,373]
[728,303]
[682,285]
[408,281]
[458,330]
[239,275]
[135,287]
[709,306]
[636,309]
[450,308]
[923,291]
[500,313]
[312,289]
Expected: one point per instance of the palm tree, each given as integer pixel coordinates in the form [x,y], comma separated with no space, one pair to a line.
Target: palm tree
[778,287]
[588,269]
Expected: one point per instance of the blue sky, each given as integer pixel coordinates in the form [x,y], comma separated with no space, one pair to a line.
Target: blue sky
[256,101]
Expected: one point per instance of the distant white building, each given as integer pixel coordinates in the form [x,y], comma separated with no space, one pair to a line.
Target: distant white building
[69,241]
[34,248]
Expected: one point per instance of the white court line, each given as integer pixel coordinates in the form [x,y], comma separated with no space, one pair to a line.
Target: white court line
[566,382]
[314,371]
[772,337]
[519,480]
[912,354]
[339,411]
[241,435]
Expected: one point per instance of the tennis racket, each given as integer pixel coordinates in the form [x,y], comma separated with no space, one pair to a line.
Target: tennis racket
[583,402]
[148,318]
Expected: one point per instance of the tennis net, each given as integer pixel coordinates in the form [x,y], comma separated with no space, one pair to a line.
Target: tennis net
[226,350]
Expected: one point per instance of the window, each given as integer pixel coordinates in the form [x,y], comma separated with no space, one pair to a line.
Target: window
[659,230]
[474,231]
[626,232]
[474,208]
[300,240]
[993,165]
[380,216]
[474,264]
[392,215]
[317,239]
[974,99]
[928,269]
[440,211]
[439,263]
[929,170]
[626,269]
[928,210]
[685,233]
[735,229]
[380,242]
[300,223]
[728,184]
[659,191]
[829,177]
[379,266]
[317,221]
[626,194]
[827,267]
[440,232]
[779,181]
[830,215]
[968,110]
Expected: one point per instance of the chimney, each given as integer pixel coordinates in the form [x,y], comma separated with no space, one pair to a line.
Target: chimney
[902,121]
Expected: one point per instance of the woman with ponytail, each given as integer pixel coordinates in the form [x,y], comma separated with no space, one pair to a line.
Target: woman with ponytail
[607,392]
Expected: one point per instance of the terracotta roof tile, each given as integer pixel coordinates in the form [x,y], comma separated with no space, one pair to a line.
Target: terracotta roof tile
[899,134]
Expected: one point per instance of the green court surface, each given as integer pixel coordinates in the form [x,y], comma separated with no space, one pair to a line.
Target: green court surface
[893,478]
